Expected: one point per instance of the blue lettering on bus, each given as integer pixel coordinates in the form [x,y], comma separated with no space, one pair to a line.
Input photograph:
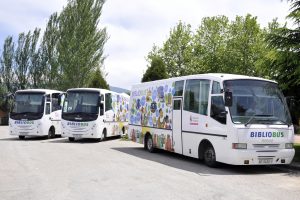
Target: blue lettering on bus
[266,134]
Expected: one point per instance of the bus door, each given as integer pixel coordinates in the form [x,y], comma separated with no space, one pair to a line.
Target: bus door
[177,125]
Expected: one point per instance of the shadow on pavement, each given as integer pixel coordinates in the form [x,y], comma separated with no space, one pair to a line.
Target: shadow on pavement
[81,141]
[29,138]
[194,165]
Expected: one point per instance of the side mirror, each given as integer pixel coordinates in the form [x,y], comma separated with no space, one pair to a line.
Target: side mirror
[228,99]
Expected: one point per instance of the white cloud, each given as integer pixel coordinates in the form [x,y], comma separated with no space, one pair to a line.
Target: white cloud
[135,25]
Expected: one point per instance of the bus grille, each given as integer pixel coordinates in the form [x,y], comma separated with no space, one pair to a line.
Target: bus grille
[266,146]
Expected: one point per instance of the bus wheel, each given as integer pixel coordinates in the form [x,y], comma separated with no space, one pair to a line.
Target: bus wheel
[71,139]
[103,136]
[210,156]
[21,137]
[149,144]
[51,133]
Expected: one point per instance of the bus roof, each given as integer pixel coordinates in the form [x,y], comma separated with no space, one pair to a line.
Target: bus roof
[46,91]
[215,76]
[93,90]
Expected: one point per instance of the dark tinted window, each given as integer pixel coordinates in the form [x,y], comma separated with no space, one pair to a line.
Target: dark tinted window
[196,96]
[216,88]
[55,105]
[47,109]
[108,102]
[217,110]
[177,104]
[179,88]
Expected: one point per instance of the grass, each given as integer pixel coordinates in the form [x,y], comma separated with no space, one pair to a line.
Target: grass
[297,152]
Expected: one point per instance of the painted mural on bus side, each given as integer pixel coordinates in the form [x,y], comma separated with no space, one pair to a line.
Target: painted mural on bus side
[152,107]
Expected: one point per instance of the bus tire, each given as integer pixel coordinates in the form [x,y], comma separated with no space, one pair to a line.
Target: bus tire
[210,156]
[103,136]
[71,139]
[149,144]
[51,133]
[21,137]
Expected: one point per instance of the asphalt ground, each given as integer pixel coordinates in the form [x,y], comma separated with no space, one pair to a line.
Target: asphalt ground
[55,169]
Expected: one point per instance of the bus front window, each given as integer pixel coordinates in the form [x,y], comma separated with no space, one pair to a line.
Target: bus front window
[257,101]
[81,105]
[28,105]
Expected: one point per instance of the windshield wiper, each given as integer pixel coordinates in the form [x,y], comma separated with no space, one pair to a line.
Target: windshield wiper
[280,120]
[79,113]
[253,117]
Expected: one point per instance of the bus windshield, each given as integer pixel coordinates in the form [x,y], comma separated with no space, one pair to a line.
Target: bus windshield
[78,102]
[28,103]
[256,101]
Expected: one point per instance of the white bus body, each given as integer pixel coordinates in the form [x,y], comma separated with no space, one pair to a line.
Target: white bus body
[94,113]
[36,112]
[192,116]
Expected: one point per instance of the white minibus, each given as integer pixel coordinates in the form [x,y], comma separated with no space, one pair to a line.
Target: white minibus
[36,112]
[94,113]
[233,119]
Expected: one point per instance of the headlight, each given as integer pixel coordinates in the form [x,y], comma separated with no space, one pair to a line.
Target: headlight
[239,145]
[289,145]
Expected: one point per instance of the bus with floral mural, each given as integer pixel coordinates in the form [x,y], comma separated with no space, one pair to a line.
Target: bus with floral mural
[233,119]
[94,113]
[36,112]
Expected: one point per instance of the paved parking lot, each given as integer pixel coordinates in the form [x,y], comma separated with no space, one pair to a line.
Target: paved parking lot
[37,168]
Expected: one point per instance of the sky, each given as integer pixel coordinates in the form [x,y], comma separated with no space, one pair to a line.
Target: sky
[134,26]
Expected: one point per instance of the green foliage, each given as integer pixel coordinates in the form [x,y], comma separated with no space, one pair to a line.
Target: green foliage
[51,73]
[6,65]
[209,45]
[177,50]
[66,56]
[156,71]
[80,45]
[97,80]
[217,46]
[285,61]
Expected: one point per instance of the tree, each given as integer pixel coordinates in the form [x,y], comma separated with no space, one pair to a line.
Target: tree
[81,42]
[209,45]
[245,46]
[6,65]
[35,67]
[22,55]
[156,71]
[176,51]
[97,80]
[285,60]
[51,74]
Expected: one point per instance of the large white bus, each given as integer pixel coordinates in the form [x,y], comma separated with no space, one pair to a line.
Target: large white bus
[94,113]
[36,112]
[233,119]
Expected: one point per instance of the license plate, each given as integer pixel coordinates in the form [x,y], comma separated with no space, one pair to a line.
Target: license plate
[265,160]
[77,136]
[23,133]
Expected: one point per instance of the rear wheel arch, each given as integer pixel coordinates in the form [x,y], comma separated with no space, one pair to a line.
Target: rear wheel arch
[146,138]
[202,146]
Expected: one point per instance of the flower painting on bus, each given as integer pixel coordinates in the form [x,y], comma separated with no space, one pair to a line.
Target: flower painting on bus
[152,106]
[120,107]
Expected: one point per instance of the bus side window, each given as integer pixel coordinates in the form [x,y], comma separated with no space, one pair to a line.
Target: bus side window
[179,88]
[48,99]
[101,105]
[216,88]
[217,110]
[55,104]
[48,111]
[196,96]
[108,101]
